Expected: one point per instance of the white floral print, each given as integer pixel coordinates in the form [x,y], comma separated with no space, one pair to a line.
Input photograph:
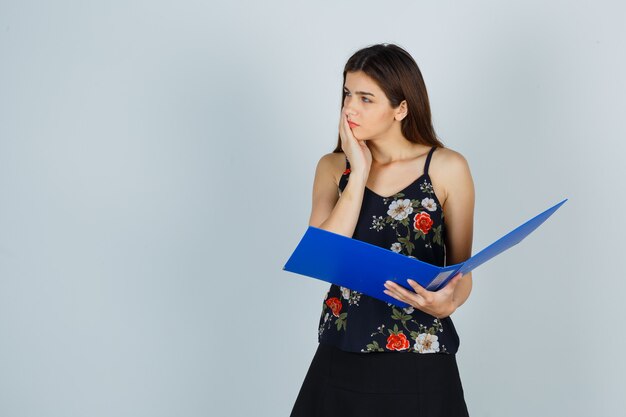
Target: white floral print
[400,209]
[426,343]
[426,187]
[377,223]
[352,296]
[429,204]
[345,292]
[396,247]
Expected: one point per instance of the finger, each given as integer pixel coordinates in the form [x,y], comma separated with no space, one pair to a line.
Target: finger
[413,299]
[344,128]
[421,291]
[345,146]
[393,294]
[393,289]
[423,297]
[401,292]
[390,289]
[347,128]
[342,123]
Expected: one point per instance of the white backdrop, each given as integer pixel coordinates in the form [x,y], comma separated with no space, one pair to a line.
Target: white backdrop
[156,167]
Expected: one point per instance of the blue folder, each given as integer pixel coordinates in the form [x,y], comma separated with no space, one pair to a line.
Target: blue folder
[363,267]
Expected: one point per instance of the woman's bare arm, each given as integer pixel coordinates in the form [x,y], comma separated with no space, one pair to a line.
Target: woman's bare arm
[337,214]
[459,218]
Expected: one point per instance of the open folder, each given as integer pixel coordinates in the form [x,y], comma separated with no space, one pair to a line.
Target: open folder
[363,267]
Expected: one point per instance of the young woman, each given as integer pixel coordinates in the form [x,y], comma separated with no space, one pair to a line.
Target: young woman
[390,182]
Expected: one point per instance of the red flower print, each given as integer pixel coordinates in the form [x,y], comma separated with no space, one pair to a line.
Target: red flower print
[423,222]
[347,171]
[397,342]
[335,305]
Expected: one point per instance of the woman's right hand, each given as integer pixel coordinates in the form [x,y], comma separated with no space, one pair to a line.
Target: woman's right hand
[356,150]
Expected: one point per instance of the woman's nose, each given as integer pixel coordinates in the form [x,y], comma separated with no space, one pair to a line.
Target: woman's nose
[348,111]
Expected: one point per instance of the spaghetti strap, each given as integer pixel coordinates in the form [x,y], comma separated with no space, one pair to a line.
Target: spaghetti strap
[343,181]
[430,154]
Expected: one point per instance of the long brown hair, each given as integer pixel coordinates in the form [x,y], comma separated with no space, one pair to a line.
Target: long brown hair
[397,74]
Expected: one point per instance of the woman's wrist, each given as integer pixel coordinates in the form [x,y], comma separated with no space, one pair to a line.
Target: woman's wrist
[357,180]
[447,310]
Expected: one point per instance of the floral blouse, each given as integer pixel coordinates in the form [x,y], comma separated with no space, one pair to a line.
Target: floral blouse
[410,222]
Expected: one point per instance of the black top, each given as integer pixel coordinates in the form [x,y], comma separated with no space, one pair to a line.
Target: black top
[409,222]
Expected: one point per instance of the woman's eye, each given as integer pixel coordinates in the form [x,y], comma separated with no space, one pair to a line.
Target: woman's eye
[364,98]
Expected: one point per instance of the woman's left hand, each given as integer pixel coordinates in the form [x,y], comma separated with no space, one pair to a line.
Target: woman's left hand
[439,304]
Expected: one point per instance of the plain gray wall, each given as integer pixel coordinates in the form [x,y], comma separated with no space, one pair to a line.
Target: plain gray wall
[156,167]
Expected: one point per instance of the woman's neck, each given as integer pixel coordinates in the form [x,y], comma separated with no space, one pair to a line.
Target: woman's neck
[387,151]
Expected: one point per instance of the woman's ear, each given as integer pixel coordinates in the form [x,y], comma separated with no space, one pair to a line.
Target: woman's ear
[401,111]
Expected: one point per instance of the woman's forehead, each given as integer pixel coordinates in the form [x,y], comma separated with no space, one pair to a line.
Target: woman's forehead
[362,82]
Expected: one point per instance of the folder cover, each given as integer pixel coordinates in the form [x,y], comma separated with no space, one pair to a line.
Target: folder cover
[363,267]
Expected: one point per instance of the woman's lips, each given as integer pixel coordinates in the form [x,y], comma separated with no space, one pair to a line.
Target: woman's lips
[352,124]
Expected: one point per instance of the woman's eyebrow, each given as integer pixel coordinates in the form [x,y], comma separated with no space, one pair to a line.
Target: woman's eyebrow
[363,93]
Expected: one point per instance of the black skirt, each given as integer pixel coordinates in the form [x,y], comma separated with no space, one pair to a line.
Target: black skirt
[351,384]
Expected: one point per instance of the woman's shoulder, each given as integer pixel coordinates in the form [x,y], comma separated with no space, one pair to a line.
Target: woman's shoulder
[447,160]
[333,163]
[448,170]
[335,157]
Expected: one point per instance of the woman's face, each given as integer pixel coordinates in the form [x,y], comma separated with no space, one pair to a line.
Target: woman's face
[366,105]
